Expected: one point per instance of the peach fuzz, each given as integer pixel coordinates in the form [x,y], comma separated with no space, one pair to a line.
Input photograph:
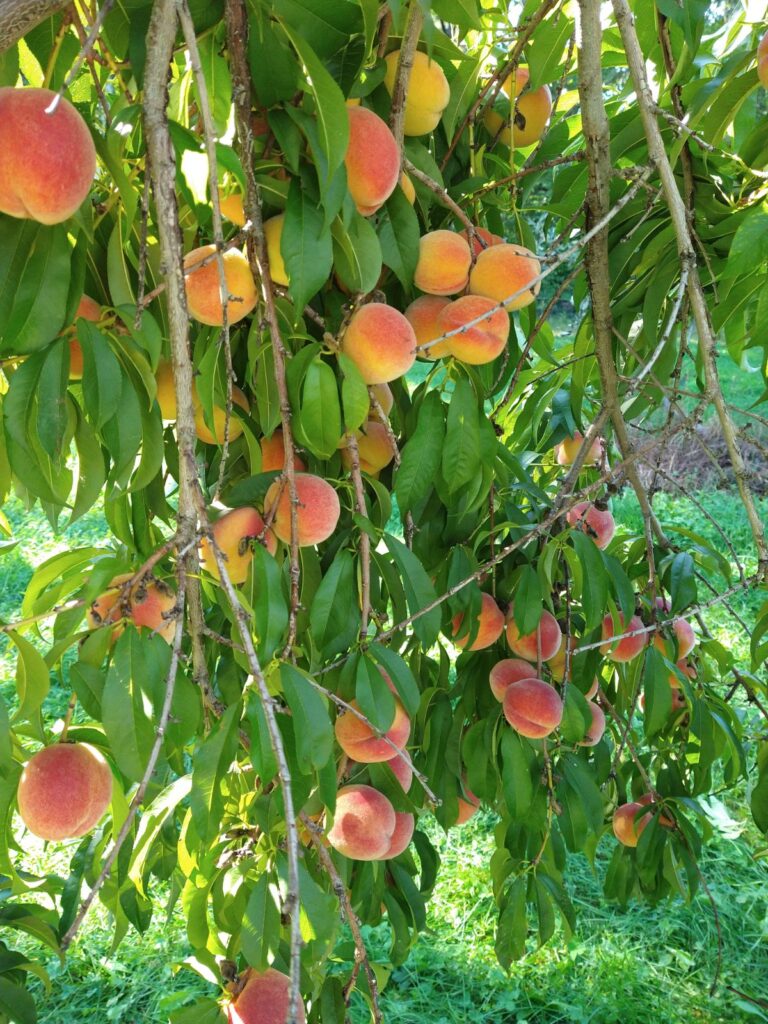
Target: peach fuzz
[543,643]
[374,448]
[422,315]
[444,262]
[568,449]
[597,523]
[64,790]
[626,826]
[401,838]
[372,160]
[503,271]
[47,161]
[533,110]
[317,512]
[482,240]
[762,61]
[685,638]
[482,342]
[148,604]
[380,342]
[490,621]
[203,292]
[273,454]
[216,436]
[364,823]
[273,234]
[233,533]
[596,728]
[265,999]
[506,672]
[88,309]
[428,92]
[359,741]
[533,708]
[628,647]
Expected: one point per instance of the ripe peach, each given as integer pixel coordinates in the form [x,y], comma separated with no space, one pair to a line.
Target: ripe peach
[556,665]
[232,207]
[467,808]
[383,395]
[506,672]
[685,638]
[626,827]
[273,233]
[595,731]
[317,513]
[649,798]
[265,999]
[497,126]
[372,160]
[444,262]
[503,271]
[364,823]
[627,648]
[401,838]
[762,61]
[374,448]
[216,436]
[531,117]
[64,790]
[543,643]
[533,708]
[47,161]
[490,626]
[428,92]
[422,315]
[88,309]
[408,189]
[596,523]
[381,343]
[483,238]
[568,449]
[203,294]
[273,454]
[149,603]
[358,740]
[402,771]
[480,343]
[514,85]
[233,532]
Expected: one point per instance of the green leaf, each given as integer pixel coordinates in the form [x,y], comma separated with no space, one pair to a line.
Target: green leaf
[400,674]
[374,697]
[33,679]
[399,237]
[334,617]
[422,454]
[419,591]
[261,924]
[305,246]
[461,448]
[210,766]
[270,608]
[52,410]
[16,1002]
[102,375]
[594,590]
[218,82]
[355,400]
[682,587]
[529,600]
[320,410]
[312,724]
[658,693]
[356,254]
[517,773]
[547,48]
[512,929]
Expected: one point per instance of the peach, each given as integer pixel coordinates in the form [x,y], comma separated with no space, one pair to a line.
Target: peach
[506,273]
[543,643]
[533,110]
[513,85]
[627,648]
[216,436]
[650,799]
[626,826]
[166,391]
[596,523]
[402,771]
[506,672]
[428,92]
[467,808]
[358,740]
[533,708]
[364,823]
[203,294]
[88,309]
[482,239]
[422,315]
[685,638]
[762,61]
[383,395]
[596,729]
[149,603]
[380,342]
[265,999]
[273,234]
[408,189]
[47,161]
[556,665]
[568,449]
[374,447]
[592,691]
[372,160]
[401,838]
[317,513]
[273,454]
[444,262]
[232,208]
[233,533]
[490,621]
[497,126]
[64,790]
[480,343]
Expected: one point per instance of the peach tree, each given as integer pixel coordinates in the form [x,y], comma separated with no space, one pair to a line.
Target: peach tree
[277,281]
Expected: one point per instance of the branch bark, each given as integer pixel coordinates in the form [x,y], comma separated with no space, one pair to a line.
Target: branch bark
[17,17]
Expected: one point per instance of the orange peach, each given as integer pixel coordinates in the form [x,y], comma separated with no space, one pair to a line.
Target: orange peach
[383,395]
[364,823]
[482,239]
[513,85]
[273,454]
[232,207]
[477,344]
[374,447]
[358,740]
[203,293]
[533,708]
[401,838]
[444,262]
[422,315]
[597,523]
[568,449]
[317,512]
[627,827]
[762,61]
[372,160]
[533,110]
[596,729]
[265,999]
[273,234]
[684,638]
[47,161]
[428,92]
[380,342]
[467,808]
[627,648]
[233,533]
[166,391]
[649,799]
[506,273]
[216,436]
[149,603]
[490,621]
[64,790]
[408,189]
[556,665]
[88,309]
[543,643]
[506,672]
[497,126]
[402,771]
